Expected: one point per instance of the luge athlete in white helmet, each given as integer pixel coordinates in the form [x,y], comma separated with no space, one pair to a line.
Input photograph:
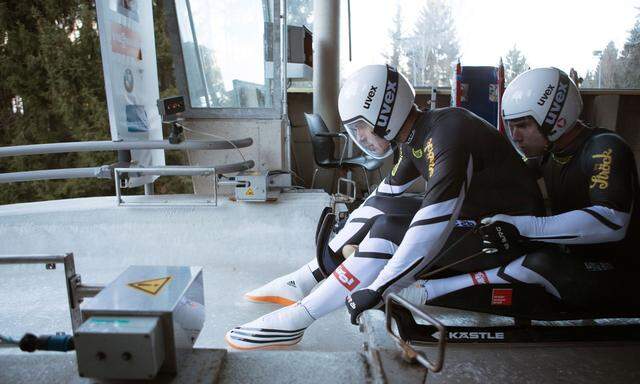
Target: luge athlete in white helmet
[592,183]
[471,172]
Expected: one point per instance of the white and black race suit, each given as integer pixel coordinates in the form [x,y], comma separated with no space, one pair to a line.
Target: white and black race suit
[471,172]
[594,194]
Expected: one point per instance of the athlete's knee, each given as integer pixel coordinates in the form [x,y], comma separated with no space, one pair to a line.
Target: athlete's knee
[390,227]
[551,261]
[539,260]
[543,267]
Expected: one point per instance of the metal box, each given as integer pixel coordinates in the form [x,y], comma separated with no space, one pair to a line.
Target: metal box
[252,186]
[174,295]
[119,347]
[260,186]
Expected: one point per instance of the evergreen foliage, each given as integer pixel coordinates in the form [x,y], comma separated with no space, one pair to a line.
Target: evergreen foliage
[50,60]
[394,57]
[433,48]
[618,69]
[514,64]
[630,58]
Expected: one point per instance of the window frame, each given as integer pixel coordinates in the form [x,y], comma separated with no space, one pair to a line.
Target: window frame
[271,113]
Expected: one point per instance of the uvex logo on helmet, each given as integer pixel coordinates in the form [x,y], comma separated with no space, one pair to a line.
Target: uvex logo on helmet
[370,95]
[557,103]
[545,96]
[389,99]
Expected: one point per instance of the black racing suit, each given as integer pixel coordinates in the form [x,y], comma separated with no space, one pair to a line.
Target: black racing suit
[471,172]
[594,195]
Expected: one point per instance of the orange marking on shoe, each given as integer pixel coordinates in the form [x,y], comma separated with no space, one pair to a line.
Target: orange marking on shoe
[270,299]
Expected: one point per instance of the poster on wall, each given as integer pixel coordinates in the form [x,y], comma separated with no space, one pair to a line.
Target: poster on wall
[128,51]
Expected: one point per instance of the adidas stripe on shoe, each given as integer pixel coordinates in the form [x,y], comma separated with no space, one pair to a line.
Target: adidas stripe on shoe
[260,338]
[278,329]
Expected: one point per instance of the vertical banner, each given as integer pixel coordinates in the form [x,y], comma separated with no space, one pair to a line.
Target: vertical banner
[128,51]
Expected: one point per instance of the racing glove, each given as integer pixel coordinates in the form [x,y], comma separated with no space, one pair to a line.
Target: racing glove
[501,235]
[362,300]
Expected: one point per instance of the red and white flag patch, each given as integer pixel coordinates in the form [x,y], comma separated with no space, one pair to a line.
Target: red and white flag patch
[346,278]
[479,278]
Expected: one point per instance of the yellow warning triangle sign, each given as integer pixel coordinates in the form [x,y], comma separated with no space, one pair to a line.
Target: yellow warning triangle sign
[152,286]
[250,192]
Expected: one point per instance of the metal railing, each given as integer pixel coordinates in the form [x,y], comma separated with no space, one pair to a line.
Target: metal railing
[104,171]
[93,146]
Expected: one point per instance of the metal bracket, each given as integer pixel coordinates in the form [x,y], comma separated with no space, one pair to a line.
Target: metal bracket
[342,197]
[72,280]
[408,353]
[171,171]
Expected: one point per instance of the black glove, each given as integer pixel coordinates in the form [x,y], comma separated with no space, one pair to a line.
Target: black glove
[360,301]
[502,236]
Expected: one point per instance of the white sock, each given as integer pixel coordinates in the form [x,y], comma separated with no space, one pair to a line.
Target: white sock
[353,274]
[289,288]
[305,277]
[439,287]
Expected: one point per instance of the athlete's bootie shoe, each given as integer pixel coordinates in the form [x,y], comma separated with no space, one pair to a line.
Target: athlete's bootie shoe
[278,329]
[285,290]
[416,293]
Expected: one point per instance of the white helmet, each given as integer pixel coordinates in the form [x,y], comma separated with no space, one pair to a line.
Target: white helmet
[548,96]
[373,104]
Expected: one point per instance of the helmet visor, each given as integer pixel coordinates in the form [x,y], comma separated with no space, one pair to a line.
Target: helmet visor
[509,133]
[361,132]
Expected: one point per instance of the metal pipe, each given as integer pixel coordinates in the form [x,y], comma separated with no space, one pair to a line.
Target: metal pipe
[53,174]
[326,60]
[9,342]
[104,172]
[32,259]
[170,171]
[90,146]
[284,80]
[199,61]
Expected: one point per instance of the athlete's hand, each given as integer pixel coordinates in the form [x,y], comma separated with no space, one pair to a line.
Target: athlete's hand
[498,233]
[360,301]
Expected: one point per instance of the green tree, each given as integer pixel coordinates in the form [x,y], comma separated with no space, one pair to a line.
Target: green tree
[50,58]
[395,34]
[590,80]
[215,82]
[607,74]
[433,48]
[514,64]
[630,58]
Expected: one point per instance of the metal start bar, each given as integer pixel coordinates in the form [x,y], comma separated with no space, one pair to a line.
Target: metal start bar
[91,146]
[179,171]
[166,171]
[75,290]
